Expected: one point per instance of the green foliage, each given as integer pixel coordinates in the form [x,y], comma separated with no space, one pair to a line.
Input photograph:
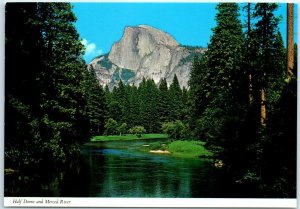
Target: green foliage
[157,146]
[176,102]
[175,130]
[222,113]
[148,94]
[164,102]
[128,137]
[218,89]
[138,131]
[96,107]
[58,103]
[110,127]
[189,149]
[122,129]
[147,105]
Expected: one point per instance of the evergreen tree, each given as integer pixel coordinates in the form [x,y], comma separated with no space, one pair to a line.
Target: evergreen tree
[63,100]
[133,107]
[199,85]
[115,105]
[164,103]
[273,156]
[22,42]
[96,109]
[48,102]
[176,100]
[226,85]
[266,31]
[148,95]
[185,110]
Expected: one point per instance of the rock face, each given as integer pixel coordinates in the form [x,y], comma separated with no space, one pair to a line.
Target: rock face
[145,52]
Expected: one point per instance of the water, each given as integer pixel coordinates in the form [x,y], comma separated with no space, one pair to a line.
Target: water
[119,169]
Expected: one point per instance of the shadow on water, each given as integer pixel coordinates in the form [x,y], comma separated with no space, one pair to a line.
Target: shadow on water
[118,169]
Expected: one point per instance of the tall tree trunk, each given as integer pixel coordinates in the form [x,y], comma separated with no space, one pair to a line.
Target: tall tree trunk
[248,45]
[263,110]
[290,38]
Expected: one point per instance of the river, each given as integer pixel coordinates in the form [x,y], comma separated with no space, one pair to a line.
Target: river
[119,169]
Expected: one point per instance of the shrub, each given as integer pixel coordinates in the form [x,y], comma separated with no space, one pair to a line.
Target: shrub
[110,127]
[175,130]
[122,129]
[157,146]
[137,130]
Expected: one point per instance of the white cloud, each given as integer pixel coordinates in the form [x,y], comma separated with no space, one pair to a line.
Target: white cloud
[90,49]
[84,42]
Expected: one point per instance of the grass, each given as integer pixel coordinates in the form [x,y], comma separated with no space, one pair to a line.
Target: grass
[181,148]
[128,137]
[189,149]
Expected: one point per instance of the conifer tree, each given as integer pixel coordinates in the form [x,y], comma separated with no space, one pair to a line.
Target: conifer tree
[52,92]
[22,42]
[96,108]
[164,103]
[133,108]
[198,89]
[225,89]
[63,100]
[176,100]
[266,31]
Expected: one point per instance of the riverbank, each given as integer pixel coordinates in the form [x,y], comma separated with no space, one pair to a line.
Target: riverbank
[128,137]
[179,148]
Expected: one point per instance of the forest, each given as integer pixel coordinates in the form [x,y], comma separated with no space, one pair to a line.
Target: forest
[241,99]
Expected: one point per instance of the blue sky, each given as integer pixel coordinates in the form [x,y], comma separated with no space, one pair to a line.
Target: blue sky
[102,24]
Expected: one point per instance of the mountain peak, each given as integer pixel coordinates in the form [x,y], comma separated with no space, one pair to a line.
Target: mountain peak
[144,51]
[138,42]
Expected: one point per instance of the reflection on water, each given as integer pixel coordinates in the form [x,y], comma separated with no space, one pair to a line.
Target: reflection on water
[129,173]
[118,169]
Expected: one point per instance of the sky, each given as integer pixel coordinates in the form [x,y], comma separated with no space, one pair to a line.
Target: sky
[100,25]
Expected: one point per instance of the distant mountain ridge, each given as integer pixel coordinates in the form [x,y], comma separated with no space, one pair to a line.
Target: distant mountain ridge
[145,52]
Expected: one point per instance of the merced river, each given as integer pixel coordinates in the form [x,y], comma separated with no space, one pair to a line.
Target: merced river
[119,169]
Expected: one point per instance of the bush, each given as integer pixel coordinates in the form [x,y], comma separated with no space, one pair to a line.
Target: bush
[175,130]
[137,130]
[122,129]
[157,146]
[110,127]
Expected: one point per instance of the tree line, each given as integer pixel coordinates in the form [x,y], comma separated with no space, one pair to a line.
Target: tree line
[244,99]
[149,105]
[52,102]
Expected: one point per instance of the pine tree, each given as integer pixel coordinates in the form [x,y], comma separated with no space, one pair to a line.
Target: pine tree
[164,103]
[63,99]
[266,30]
[176,100]
[49,48]
[115,106]
[225,85]
[199,90]
[185,110]
[22,43]
[96,108]
[133,108]
[148,95]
